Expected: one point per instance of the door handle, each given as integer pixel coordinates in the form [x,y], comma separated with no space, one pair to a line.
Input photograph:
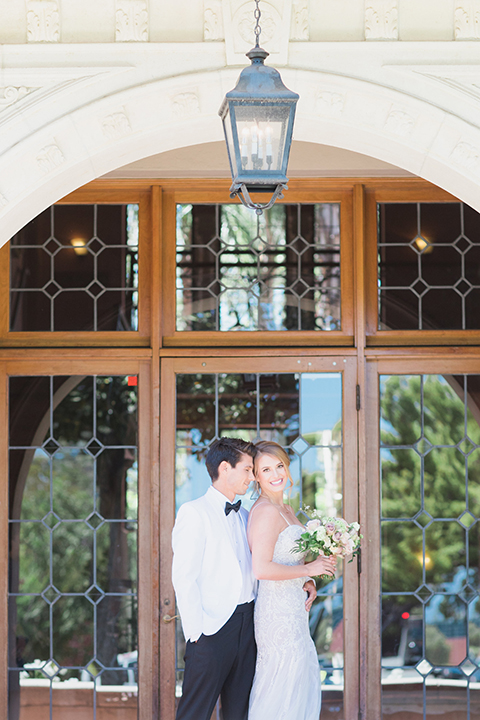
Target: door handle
[168,618]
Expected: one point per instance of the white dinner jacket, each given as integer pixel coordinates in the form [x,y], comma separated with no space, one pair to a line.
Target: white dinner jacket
[206,573]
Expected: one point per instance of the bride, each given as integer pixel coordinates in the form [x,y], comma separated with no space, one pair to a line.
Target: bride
[287,676]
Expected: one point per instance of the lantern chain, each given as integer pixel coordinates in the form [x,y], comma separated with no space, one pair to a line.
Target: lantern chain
[257,14]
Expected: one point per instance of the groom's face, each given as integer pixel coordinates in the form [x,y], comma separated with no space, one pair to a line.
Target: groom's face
[240,476]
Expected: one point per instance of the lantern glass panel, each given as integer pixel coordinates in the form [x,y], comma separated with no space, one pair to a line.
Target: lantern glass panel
[261,131]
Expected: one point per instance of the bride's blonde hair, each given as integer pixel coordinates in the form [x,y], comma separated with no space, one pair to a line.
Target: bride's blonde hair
[269,447]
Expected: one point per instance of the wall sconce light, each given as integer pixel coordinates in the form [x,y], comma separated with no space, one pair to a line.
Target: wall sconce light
[79,246]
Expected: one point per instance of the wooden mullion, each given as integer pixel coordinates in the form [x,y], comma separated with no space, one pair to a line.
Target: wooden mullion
[370,625]
[167,517]
[275,338]
[370,264]
[346,266]
[168,265]
[350,512]
[4,290]
[145,252]
[147,549]
[4,542]
[424,337]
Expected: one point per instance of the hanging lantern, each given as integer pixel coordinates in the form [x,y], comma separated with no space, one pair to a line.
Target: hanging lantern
[257,118]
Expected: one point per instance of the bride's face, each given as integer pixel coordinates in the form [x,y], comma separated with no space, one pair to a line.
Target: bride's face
[271,474]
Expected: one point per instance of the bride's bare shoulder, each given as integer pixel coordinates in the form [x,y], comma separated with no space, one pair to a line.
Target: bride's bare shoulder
[263,510]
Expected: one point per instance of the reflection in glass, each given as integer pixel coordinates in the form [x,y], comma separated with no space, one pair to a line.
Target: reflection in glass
[73,547]
[277,271]
[427,266]
[75,267]
[302,412]
[430,546]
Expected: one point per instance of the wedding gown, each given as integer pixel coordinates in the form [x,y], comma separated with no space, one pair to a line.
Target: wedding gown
[287,675]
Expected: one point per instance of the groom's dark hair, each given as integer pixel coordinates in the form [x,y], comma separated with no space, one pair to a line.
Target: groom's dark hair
[228,449]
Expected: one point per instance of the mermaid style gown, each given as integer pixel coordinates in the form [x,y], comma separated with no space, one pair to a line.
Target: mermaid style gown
[287,675]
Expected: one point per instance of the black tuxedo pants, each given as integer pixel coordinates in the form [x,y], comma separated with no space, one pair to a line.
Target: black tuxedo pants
[220,665]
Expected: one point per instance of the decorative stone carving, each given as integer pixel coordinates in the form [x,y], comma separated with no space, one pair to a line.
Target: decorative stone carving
[49,158]
[116,125]
[275,22]
[185,104]
[213,20]
[381,20]
[245,23]
[466,155]
[399,123]
[330,103]
[300,25]
[131,21]
[467,20]
[10,95]
[43,21]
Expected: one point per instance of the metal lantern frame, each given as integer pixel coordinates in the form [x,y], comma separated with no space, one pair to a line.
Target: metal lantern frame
[260,89]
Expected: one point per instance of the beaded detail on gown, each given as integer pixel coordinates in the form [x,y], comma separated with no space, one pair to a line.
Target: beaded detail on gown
[287,675]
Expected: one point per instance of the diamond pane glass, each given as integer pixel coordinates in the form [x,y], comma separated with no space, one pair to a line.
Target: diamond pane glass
[75,268]
[430,546]
[428,266]
[240,271]
[73,646]
[302,412]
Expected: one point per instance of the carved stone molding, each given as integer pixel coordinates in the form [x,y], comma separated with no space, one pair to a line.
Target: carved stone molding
[381,20]
[467,20]
[10,95]
[213,20]
[43,21]
[330,103]
[466,155]
[131,21]
[3,201]
[49,158]
[185,104]
[399,123]
[116,125]
[300,24]
[276,23]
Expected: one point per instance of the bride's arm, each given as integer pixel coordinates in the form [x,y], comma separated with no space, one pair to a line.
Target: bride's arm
[264,526]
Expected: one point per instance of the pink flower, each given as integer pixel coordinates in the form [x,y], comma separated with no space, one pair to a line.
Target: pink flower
[330,528]
[312,525]
[337,536]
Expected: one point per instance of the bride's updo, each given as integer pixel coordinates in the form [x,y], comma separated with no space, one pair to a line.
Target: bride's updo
[269,447]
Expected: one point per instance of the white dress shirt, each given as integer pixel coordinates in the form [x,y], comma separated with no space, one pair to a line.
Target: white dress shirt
[241,547]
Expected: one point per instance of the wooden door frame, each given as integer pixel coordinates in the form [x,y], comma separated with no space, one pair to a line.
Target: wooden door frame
[407,361]
[148,498]
[293,364]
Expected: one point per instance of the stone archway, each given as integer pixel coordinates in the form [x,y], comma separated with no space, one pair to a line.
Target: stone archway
[93,138]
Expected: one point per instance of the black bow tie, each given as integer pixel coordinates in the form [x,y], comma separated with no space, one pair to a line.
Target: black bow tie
[232,506]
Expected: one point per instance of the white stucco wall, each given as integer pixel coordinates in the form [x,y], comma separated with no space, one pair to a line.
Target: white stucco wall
[88,87]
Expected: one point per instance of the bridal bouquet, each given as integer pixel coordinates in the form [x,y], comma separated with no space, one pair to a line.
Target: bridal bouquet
[329,536]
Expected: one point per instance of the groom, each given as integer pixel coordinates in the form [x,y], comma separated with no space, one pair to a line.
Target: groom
[215,588]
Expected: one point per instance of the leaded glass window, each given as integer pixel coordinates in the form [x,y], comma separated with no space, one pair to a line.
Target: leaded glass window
[240,271]
[428,266]
[73,547]
[75,268]
[302,412]
[430,493]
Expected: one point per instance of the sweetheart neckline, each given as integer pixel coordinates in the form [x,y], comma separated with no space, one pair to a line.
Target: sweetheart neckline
[286,528]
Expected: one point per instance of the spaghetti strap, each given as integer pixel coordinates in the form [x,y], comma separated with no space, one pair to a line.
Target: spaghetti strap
[283,516]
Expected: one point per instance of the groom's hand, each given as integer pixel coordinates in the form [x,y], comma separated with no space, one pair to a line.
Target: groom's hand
[310,588]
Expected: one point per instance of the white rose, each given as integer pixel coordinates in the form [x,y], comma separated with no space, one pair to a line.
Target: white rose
[312,525]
